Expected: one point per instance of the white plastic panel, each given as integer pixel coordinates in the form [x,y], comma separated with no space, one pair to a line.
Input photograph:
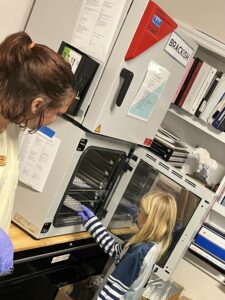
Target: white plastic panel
[33,209]
[104,116]
[199,202]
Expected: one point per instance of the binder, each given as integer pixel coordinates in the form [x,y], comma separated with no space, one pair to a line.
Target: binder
[177,146]
[221,125]
[203,90]
[197,85]
[217,109]
[173,156]
[219,118]
[212,242]
[208,94]
[188,82]
[188,69]
[214,99]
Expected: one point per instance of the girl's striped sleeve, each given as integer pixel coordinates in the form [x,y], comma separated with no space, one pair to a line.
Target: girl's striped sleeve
[102,237]
[124,275]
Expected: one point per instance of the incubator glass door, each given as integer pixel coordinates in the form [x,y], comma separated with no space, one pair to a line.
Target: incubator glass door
[145,179]
[93,179]
[149,173]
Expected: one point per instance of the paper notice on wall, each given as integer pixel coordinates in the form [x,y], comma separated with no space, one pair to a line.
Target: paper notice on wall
[37,154]
[96,25]
[150,91]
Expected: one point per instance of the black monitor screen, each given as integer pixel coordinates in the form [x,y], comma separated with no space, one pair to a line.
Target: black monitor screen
[72,57]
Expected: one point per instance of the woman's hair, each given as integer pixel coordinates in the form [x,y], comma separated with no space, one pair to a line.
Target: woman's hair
[161,210]
[29,71]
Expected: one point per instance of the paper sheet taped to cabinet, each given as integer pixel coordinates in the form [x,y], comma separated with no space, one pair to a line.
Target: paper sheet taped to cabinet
[37,154]
[96,26]
[150,91]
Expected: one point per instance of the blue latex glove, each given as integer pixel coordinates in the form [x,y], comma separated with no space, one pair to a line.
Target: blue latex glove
[86,214]
[133,210]
[6,253]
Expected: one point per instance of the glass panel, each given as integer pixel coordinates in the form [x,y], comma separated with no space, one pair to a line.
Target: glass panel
[91,183]
[146,179]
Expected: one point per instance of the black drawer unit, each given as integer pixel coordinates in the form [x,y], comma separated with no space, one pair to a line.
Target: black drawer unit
[39,272]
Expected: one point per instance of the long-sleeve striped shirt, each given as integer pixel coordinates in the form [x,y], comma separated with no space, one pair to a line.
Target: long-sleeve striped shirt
[131,272]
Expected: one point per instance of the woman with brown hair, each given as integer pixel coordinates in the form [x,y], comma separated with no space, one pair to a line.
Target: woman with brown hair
[36,85]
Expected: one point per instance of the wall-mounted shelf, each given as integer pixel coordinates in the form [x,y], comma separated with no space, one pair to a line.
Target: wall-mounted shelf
[196,132]
[219,209]
[203,39]
[193,120]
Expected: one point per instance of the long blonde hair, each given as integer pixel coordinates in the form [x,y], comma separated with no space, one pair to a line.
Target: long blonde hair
[161,210]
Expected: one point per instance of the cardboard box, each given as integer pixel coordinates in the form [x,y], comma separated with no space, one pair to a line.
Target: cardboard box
[82,290]
[63,293]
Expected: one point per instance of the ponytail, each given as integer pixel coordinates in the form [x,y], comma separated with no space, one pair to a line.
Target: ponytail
[14,50]
[29,71]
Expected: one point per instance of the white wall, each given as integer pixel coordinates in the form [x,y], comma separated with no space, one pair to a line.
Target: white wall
[13,16]
[197,285]
[204,15]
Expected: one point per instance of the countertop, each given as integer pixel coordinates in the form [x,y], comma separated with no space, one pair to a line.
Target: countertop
[22,241]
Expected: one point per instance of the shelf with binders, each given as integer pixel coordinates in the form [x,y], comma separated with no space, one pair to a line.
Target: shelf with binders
[197,133]
[201,95]
[207,250]
[191,129]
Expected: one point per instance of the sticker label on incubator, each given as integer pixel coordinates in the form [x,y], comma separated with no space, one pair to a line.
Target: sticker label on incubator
[147,142]
[60,258]
[98,129]
[149,93]
[179,49]
[25,223]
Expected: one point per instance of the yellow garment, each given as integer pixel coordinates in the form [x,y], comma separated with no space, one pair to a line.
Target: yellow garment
[8,173]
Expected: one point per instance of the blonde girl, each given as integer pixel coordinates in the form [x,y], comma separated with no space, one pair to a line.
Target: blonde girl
[134,260]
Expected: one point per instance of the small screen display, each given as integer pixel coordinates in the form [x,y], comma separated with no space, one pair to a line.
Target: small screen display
[72,57]
[157,21]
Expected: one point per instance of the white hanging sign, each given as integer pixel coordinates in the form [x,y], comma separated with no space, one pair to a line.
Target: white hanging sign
[179,49]
[150,91]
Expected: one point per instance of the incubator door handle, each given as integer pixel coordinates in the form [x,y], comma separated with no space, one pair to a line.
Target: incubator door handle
[127,77]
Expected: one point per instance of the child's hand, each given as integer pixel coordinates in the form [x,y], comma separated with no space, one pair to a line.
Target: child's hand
[86,214]
[133,210]
[6,253]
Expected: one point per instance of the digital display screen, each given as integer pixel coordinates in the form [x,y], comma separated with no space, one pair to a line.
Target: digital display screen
[72,57]
[157,21]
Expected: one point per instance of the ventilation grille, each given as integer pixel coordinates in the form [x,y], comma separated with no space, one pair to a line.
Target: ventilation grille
[190,182]
[151,157]
[164,166]
[177,174]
